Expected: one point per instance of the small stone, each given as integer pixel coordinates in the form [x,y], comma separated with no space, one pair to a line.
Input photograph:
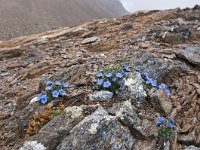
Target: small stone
[4,115]
[144,45]
[33,100]
[186,128]
[187,138]
[160,100]
[198,91]
[192,147]
[198,77]
[127,26]
[90,40]
[83,50]
[101,96]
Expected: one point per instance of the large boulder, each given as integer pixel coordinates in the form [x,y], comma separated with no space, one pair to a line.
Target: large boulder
[191,54]
[98,131]
[59,127]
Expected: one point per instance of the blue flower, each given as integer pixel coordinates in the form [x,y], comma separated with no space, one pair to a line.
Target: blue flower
[100,82]
[58,83]
[109,75]
[43,99]
[154,84]
[124,73]
[165,87]
[172,120]
[61,92]
[121,83]
[171,126]
[167,91]
[49,82]
[106,84]
[119,75]
[149,80]
[114,79]
[126,67]
[159,121]
[55,93]
[66,85]
[99,75]
[48,87]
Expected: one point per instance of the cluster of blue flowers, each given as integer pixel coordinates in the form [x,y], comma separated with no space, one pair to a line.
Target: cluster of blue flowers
[154,84]
[112,79]
[169,123]
[52,91]
[166,128]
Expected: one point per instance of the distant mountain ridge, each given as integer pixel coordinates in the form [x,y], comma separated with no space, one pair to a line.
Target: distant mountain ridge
[22,17]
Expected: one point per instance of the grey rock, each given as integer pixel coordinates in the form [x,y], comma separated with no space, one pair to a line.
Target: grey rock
[90,40]
[161,101]
[101,96]
[192,147]
[133,88]
[178,35]
[175,32]
[140,129]
[98,131]
[53,132]
[127,26]
[187,138]
[167,145]
[191,54]
[157,69]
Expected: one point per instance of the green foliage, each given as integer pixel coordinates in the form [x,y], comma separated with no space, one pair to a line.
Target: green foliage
[166,129]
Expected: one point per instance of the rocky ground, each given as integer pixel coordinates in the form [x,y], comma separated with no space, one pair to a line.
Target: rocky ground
[164,44]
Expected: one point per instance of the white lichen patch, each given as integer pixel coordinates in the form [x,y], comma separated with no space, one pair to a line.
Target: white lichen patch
[135,87]
[122,110]
[32,145]
[75,111]
[93,128]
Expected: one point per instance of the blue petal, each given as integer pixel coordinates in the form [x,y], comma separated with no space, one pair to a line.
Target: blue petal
[109,75]
[100,82]
[172,120]
[159,121]
[99,75]
[66,85]
[58,83]
[49,82]
[106,84]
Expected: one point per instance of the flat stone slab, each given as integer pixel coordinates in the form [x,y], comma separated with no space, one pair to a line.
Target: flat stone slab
[191,54]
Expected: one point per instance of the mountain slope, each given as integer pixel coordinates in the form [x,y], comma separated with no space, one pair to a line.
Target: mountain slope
[22,17]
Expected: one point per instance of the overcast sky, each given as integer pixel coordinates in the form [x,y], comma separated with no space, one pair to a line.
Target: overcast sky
[134,5]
